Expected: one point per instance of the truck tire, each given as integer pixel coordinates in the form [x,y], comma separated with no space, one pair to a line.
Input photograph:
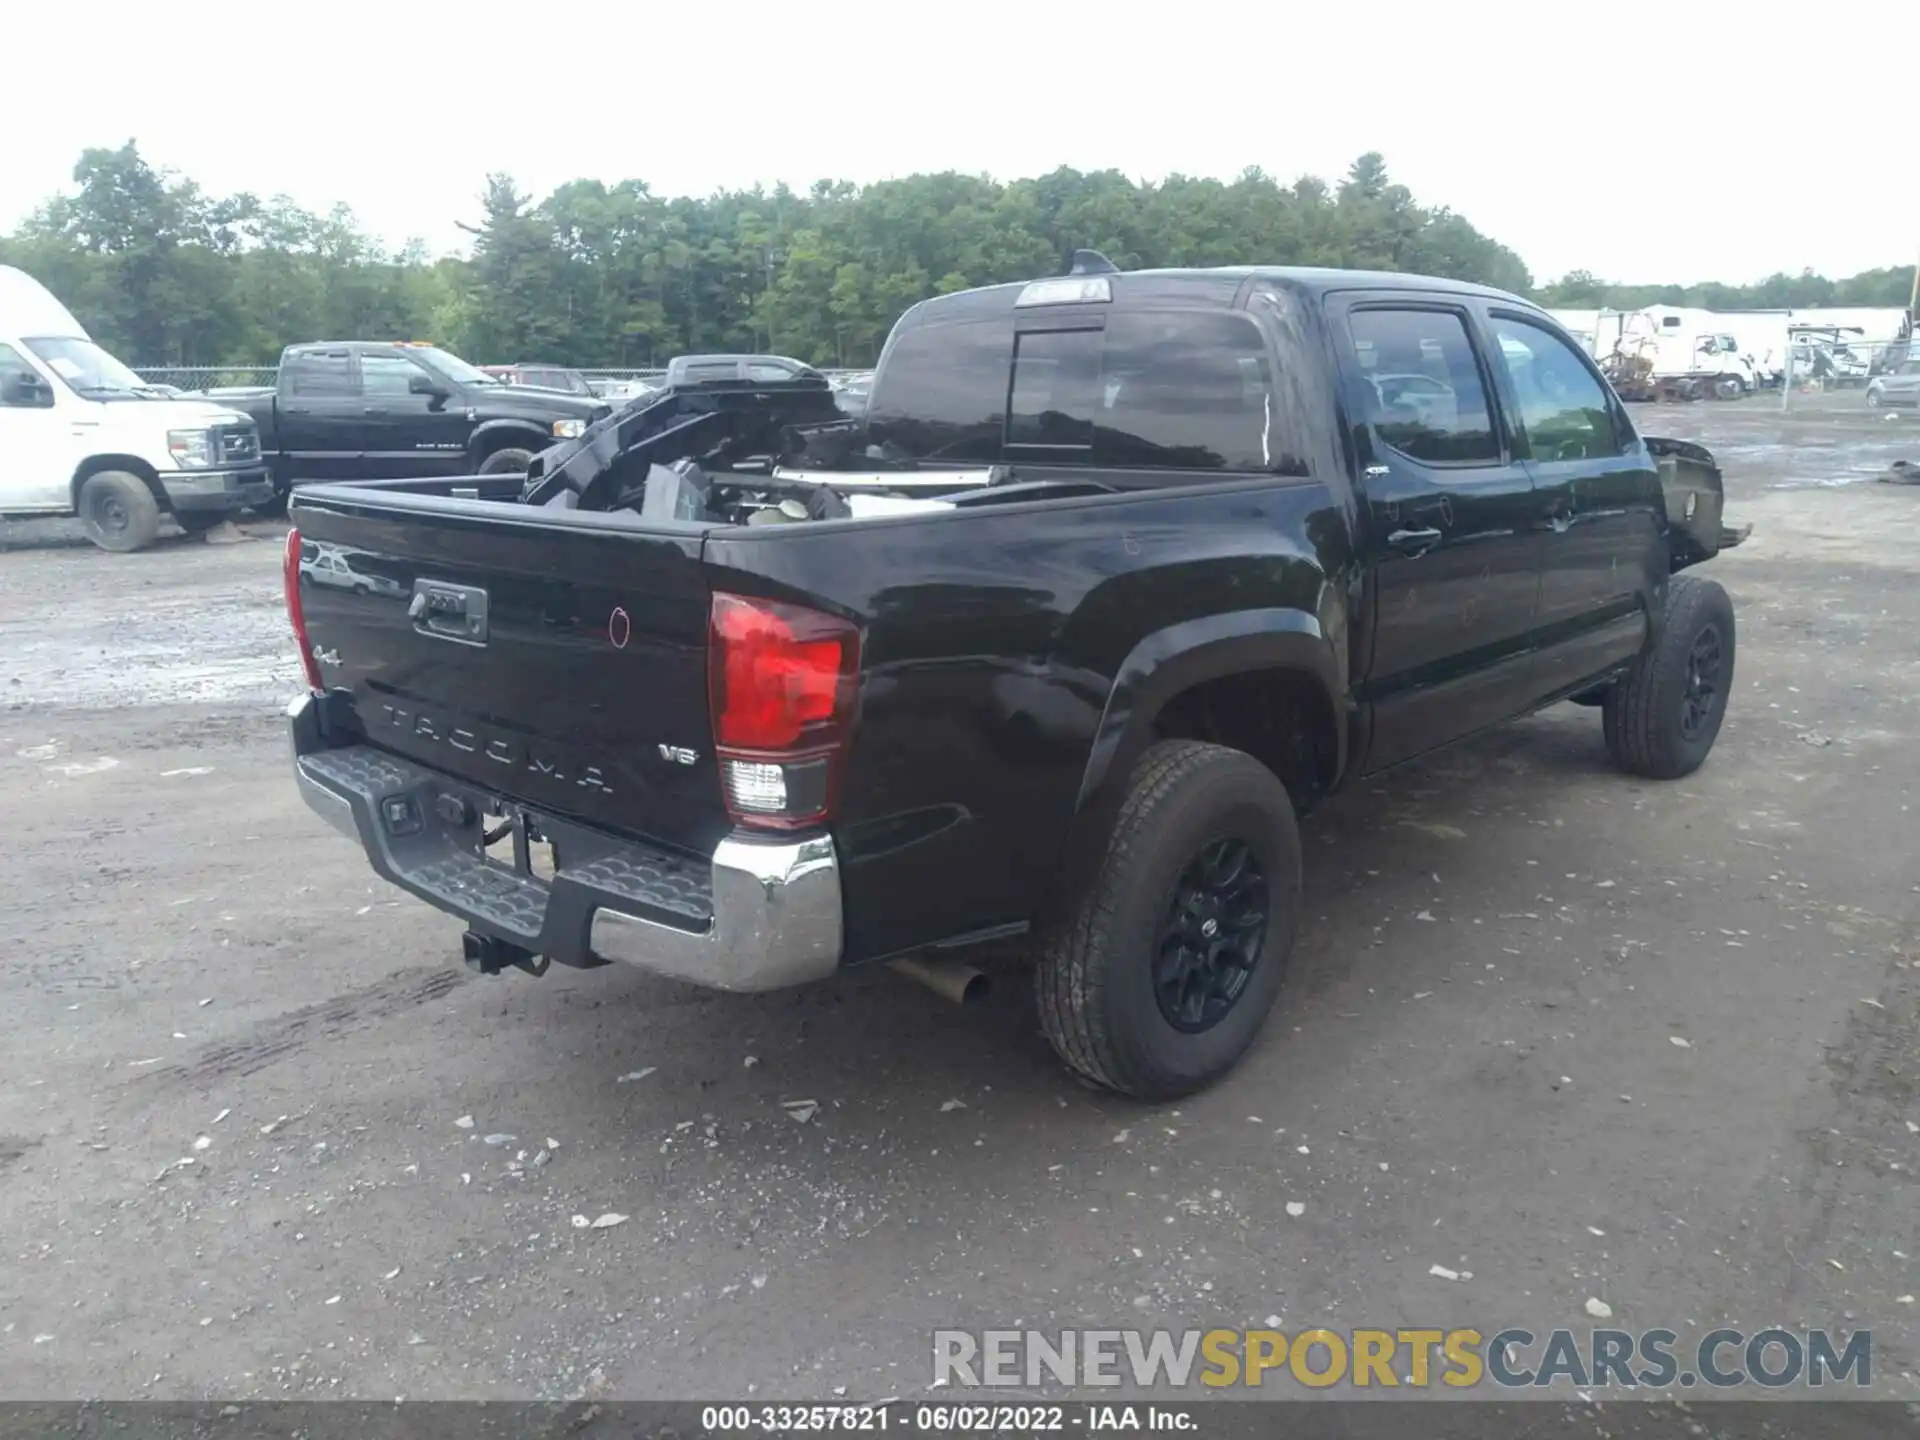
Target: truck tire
[118,511]
[1160,977]
[1662,717]
[507,462]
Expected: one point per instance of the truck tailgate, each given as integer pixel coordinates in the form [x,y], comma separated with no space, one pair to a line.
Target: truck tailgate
[556,660]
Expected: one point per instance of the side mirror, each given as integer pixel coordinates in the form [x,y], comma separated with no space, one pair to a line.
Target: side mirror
[25,389]
[423,385]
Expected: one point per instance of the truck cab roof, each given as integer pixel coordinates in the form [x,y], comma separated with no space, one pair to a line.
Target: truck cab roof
[306,346]
[1199,287]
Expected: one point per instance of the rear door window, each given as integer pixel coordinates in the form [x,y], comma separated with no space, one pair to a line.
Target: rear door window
[320,373]
[1423,390]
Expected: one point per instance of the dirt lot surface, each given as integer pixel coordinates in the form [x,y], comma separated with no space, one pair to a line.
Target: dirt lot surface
[251,1107]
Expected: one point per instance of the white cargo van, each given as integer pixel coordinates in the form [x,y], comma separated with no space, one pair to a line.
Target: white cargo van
[81,434]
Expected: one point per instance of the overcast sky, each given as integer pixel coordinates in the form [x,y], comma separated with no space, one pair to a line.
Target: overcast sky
[1699,142]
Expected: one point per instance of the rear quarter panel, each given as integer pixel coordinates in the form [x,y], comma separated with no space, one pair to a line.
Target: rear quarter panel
[992,643]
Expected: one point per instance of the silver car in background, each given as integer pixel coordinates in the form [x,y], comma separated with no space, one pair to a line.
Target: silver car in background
[1897,387]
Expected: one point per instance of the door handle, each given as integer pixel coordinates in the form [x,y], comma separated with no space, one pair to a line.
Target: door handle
[1414,542]
[374,410]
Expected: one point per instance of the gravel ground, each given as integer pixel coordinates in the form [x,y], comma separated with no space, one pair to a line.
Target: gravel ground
[252,1111]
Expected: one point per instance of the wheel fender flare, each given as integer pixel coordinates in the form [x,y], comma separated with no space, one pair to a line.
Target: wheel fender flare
[1173,659]
[1159,667]
[492,435]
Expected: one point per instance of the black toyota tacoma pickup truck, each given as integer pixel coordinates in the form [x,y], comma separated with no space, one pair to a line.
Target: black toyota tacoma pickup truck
[371,410]
[1121,573]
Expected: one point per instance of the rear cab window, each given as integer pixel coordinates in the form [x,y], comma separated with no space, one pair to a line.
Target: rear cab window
[1151,389]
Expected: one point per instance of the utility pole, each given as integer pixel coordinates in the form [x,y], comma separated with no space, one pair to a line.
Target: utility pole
[773,258]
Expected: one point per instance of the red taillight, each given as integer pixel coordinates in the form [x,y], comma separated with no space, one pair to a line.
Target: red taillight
[783,681]
[296,612]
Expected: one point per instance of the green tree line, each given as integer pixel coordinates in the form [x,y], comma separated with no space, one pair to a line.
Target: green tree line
[613,275]
[1583,290]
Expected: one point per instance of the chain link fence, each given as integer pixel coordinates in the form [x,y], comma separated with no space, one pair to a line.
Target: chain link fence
[197,378]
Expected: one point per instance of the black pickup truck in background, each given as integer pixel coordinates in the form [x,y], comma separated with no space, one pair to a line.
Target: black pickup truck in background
[366,410]
[1120,574]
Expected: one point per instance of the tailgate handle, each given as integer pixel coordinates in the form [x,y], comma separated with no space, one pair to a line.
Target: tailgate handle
[449,612]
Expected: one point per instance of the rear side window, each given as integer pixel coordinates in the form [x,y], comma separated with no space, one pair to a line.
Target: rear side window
[318,373]
[1153,389]
[1423,390]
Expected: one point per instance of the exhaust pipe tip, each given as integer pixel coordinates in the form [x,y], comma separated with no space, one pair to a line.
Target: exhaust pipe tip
[953,980]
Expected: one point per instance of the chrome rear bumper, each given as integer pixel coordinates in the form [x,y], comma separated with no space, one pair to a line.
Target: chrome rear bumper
[757,915]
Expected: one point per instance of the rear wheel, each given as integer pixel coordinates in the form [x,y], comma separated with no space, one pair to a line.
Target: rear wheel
[1662,717]
[1874,397]
[1159,979]
[118,511]
[507,462]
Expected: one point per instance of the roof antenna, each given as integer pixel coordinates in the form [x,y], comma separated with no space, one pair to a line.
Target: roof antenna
[1092,262]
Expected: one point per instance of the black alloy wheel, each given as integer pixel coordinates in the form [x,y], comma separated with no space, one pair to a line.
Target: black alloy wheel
[1705,664]
[1216,919]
